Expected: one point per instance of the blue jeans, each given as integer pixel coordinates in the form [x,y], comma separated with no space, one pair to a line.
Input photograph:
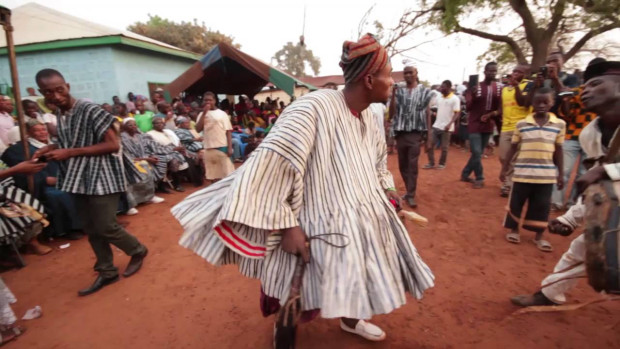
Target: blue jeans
[236,149]
[477,143]
[573,156]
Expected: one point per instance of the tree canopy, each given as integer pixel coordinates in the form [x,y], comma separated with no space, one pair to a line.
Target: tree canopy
[189,36]
[293,58]
[535,27]
[523,31]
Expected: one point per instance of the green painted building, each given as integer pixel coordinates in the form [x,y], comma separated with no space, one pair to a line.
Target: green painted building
[99,62]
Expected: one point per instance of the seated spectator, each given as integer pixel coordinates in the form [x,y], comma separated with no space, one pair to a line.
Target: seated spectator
[251,129]
[6,119]
[131,103]
[271,123]
[165,158]
[141,179]
[165,113]
[163,135]
[143,117]
[32,112]
[21,215]
[107,107]
[257,119]
[192,141]
[253,143]
[120,111]
[59,205]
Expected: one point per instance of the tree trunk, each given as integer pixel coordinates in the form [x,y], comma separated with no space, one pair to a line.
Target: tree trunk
[540,51]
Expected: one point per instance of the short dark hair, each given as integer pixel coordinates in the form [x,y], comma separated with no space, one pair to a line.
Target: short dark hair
[597,60]
[447,82]
[27,102]
[489,64]
[543,91]
[46,74]
[161,106]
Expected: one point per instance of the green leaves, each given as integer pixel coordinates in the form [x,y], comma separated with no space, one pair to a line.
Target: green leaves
[293,58]
[189,36]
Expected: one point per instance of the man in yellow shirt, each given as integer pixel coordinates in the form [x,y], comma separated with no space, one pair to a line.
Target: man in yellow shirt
[513,110]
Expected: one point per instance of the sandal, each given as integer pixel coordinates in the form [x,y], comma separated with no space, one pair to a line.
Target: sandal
[513,238]
[8,334]
[543,245]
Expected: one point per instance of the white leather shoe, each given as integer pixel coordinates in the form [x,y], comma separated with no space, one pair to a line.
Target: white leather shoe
[366,330]
[132,212]
[156,200]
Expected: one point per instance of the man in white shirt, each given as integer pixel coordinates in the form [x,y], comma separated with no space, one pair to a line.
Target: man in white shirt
[448,111]
[6,120]
[217,129]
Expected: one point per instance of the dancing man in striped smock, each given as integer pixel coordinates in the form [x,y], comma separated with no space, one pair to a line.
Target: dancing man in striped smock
[91,169]
[319,176]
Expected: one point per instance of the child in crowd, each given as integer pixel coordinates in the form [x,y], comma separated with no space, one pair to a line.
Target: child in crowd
[538,138]
[253,143]
[251,129]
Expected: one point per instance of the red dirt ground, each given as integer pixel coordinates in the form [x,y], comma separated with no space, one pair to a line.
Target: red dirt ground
[180,301]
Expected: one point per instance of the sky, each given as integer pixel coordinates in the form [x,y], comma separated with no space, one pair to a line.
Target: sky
[263,27]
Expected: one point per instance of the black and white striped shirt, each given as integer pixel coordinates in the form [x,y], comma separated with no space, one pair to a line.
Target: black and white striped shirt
[82,126]
[411,107]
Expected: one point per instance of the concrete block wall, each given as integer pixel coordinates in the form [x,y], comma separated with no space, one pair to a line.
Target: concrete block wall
[90,70]
[135,68]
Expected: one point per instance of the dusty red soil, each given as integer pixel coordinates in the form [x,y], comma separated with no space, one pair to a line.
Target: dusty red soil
[180,301]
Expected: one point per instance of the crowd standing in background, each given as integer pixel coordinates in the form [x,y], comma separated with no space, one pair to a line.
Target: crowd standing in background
[92,162]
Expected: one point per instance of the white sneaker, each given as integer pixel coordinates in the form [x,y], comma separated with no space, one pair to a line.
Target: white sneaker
[156,200]
[132,212]
[366,330]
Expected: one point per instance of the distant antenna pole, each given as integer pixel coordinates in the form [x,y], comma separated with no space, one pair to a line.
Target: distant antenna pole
[303,29]
[302,38]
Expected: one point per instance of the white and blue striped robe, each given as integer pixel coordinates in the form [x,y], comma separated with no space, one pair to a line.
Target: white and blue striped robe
[323,169]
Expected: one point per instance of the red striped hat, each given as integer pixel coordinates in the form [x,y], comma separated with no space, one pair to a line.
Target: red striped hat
[361,58]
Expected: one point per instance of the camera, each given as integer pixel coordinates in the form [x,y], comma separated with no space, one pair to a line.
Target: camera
[544,71]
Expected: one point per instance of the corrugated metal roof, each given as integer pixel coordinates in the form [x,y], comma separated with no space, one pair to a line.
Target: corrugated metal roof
[34,23]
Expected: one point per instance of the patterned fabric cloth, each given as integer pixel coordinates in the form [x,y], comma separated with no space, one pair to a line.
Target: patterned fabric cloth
[486,98]
[366,56]
[19,214]
[534,162]
[143,146]
[7,316]
[411,105]
[82,126]
[322,169]
[577,119]
[188,140]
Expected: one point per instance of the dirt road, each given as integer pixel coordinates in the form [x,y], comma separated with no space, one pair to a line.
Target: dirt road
[179,301]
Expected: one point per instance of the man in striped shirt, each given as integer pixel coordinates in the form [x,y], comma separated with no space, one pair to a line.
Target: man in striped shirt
[538,167]
[91,170]
[410,111]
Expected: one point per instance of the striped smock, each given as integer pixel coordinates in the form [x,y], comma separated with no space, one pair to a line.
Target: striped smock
[82,126]
[322,169]
[534,162]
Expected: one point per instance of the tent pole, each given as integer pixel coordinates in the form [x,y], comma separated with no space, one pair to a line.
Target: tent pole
[8,30]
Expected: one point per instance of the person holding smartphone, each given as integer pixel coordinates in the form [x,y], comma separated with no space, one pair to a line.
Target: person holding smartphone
[483,102]
[91,169]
